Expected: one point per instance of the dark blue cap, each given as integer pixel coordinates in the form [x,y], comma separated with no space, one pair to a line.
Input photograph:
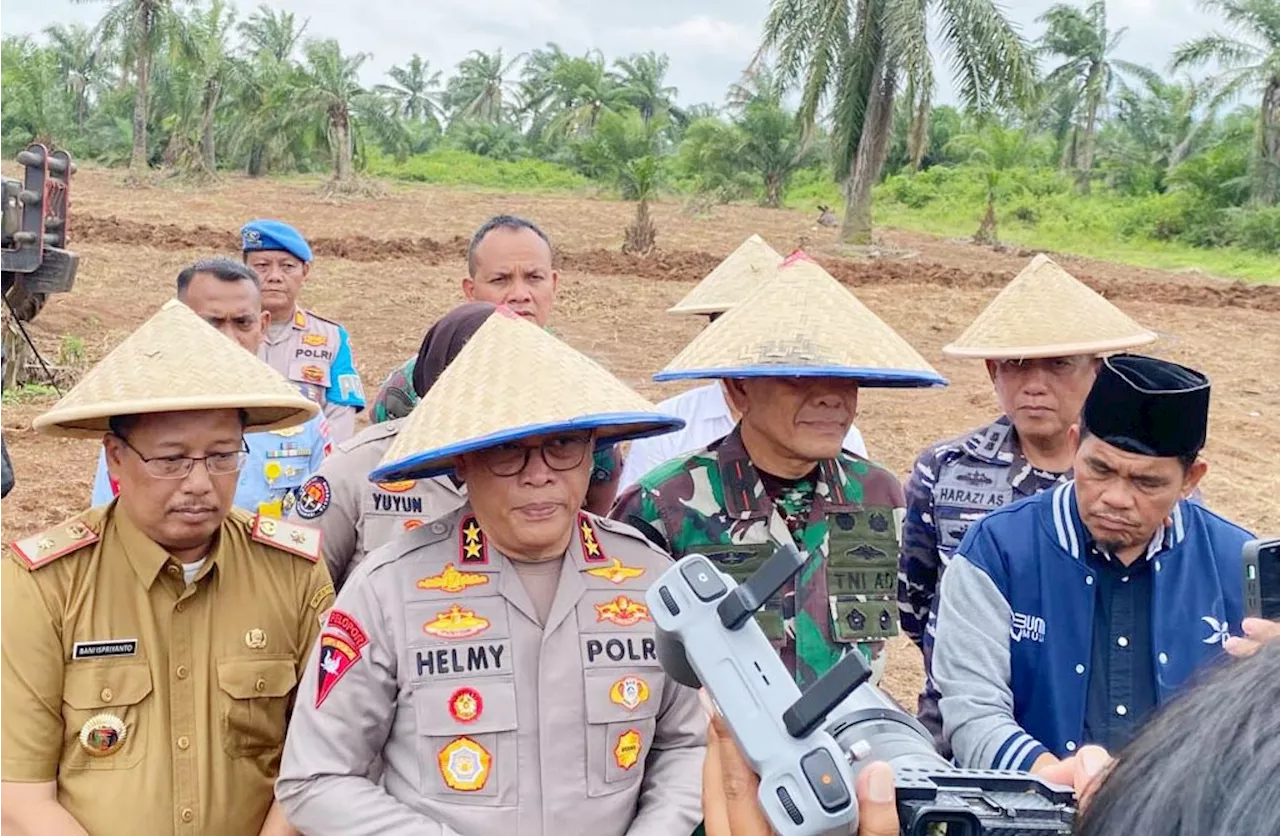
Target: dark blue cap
[267,234]
[1148,406]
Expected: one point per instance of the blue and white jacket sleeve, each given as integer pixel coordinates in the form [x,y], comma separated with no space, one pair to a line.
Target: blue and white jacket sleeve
[102,492]
[971,662]
[345,388]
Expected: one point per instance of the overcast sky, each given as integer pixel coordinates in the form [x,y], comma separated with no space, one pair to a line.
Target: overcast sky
[709,41]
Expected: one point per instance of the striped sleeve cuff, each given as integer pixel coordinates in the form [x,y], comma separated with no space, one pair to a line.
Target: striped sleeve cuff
[1019,752]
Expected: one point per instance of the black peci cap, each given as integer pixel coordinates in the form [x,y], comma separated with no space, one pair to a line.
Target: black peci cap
[1148,406]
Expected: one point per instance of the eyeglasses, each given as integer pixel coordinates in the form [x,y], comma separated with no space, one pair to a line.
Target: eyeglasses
[179,467]
[564,452]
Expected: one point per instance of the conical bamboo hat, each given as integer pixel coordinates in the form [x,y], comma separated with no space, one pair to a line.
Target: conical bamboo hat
[1047,312]
[802,323]
[733,279]
[176,362]
[513,380]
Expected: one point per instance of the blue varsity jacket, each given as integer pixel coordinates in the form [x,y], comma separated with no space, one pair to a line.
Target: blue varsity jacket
[1013,628]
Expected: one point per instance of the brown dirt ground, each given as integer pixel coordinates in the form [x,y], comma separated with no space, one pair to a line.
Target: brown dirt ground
[388,268]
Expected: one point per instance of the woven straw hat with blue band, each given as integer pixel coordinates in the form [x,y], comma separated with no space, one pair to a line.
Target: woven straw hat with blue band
[803,323]
[513,380]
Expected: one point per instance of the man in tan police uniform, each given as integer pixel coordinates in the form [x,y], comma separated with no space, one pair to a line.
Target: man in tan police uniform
[153,645]
[500,660]
[311,351]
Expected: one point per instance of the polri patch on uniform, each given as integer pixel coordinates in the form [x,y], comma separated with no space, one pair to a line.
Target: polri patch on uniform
[313,498]
[466,705]
[473,548]
[313,374]
[104,648]
[315,339]
[336,658]
[465,765]
[626,752]
[591,550]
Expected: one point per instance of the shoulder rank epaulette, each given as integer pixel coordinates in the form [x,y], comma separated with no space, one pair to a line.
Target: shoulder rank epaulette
[44,548]
[288,536]
[313,314]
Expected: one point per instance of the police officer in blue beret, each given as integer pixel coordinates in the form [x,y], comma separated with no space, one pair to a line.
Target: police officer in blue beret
[311,351]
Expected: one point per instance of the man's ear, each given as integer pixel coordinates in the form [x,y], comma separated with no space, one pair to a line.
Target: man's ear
[469,288]
[306,270]
[460,468]
[1073,436]
[1191,480]
[991,369]
[555,280]
[266,320]
[736,393]
[114,454]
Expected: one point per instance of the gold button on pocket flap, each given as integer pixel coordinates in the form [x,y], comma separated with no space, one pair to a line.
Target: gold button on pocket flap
[621,696]
[245,679]
[91,687]
[477,705]
[444,618]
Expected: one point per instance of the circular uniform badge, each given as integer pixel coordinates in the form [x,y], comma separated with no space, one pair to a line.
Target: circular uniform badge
[103,734]
[465,705]
[313,498]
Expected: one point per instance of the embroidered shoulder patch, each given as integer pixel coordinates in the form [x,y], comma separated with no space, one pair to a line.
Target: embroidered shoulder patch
[42,549]
[287,536]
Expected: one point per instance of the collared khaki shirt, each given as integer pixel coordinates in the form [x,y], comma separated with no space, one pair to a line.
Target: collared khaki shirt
[434,660]
[158,706]
[357,516]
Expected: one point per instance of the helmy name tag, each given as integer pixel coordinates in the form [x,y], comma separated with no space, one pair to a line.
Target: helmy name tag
[103,649]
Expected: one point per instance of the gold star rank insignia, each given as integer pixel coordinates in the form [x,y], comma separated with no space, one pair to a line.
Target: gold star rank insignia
[616,573]
[473,549]
[591,551]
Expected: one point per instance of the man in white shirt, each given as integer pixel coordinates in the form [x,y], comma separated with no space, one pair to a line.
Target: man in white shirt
[706,412]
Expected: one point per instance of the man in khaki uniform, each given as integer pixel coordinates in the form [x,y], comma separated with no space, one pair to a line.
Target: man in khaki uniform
[153,645]
[500,661]
[311,351]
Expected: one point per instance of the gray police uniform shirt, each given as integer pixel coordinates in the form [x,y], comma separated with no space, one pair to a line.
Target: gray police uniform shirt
[486,722]
[356,516]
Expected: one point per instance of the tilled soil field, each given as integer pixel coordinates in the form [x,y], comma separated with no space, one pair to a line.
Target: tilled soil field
[388,268]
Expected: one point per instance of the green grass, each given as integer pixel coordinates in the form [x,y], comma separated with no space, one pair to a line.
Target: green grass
[1086,241]
[448,167]
[28,392]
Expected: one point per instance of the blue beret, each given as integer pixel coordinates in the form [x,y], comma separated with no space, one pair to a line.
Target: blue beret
[274,235]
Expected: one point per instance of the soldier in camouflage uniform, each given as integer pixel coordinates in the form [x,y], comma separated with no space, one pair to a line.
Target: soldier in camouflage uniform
[793,357]
[1042,367]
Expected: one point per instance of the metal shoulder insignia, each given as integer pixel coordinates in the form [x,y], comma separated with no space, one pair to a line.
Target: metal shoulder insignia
[288,536]
[42,549]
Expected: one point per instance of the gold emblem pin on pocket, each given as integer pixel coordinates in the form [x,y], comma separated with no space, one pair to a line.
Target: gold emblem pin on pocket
[103,734]
[256,639]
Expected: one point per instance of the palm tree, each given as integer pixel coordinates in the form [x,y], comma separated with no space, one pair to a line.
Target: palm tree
[211,67]
[1162,123]
[415,92]
[625,149]
[643,82]
[262,90]
[994,149]
[35,107]
[328,89]
[83,62]
[1086,76]
[856,53]
[772,147]
[142,28]
[479,90]
[1249,61]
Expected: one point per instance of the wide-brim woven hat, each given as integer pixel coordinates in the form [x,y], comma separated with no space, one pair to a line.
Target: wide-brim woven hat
[512,380]
[733,279]
[802,323]
[176,362]
[1047,312]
